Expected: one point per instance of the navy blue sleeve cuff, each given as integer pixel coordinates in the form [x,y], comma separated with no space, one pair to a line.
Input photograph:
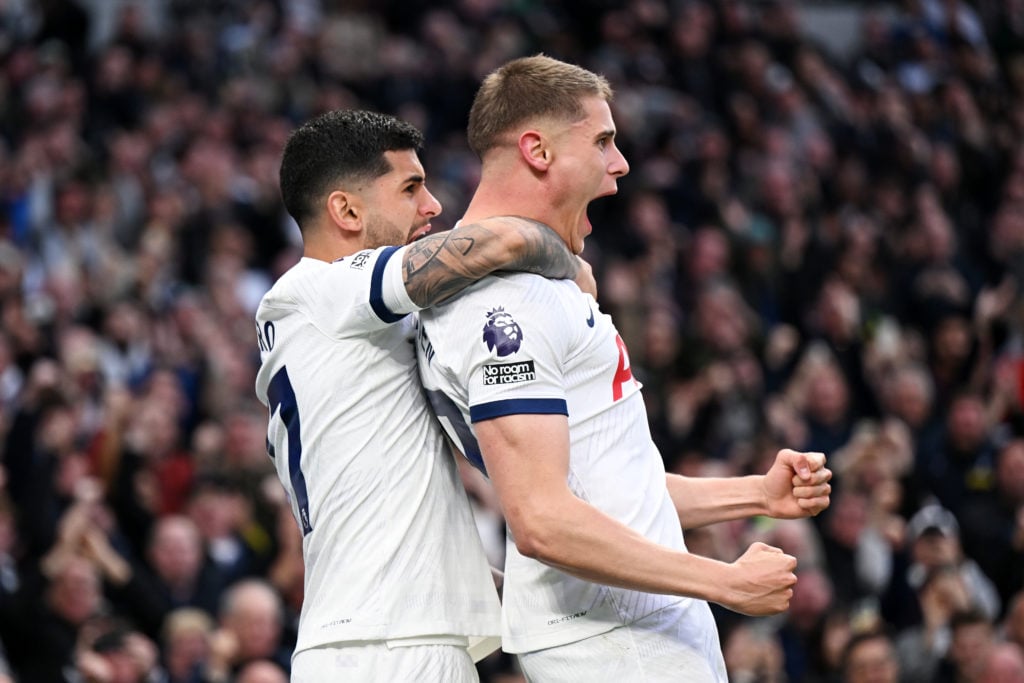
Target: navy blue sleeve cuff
[377,288]
[518,406]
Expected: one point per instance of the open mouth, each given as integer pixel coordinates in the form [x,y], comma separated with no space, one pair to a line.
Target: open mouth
[584,229]
[418,233]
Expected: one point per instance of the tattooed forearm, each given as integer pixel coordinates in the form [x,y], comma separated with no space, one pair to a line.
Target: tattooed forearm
[438,266]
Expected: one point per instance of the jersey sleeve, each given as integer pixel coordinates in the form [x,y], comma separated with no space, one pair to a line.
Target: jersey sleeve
[388,295]
[517,338]
[360,293]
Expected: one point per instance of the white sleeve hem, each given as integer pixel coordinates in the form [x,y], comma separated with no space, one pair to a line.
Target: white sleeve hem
[394,293]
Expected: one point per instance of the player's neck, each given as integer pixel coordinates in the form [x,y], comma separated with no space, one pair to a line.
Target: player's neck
[331,247]
[510,198]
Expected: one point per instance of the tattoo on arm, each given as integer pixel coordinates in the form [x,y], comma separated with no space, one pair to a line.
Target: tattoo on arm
[439,266]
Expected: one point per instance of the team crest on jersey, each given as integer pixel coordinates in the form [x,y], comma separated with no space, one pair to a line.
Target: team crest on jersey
[360,259]
[502,332]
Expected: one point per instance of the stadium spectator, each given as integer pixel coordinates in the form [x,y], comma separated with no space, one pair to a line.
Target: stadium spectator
[993,526]
[751,655]
[139,219]
[1004,664]
[114,653]
[970,649]
[251,619]
[185,644]
[261,671]
[177,572]
[961,465]
[803,630]
[934,538]
[871,657]
[922,647]
[48,636]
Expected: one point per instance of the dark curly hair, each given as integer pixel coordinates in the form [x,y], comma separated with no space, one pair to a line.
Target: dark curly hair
[339,148]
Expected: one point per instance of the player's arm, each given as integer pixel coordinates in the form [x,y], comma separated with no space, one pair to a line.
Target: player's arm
[797,485]
[438,266]
[527,458]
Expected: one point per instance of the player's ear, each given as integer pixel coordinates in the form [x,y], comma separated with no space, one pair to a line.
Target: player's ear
[535,150]
[345,210]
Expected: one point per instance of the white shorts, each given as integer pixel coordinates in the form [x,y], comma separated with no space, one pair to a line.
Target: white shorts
[660,648]
[374,662]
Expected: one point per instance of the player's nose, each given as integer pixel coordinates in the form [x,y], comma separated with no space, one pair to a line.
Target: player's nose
[617,166]
[430,207]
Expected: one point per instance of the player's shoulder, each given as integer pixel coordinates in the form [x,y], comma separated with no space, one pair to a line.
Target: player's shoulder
[527,285]
[311,280]
[507,289]
[304,269]
[527,295]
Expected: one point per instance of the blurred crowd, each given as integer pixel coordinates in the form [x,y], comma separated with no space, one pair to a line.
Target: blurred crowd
[814,249]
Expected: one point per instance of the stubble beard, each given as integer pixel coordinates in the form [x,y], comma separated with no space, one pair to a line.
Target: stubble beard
[382,233]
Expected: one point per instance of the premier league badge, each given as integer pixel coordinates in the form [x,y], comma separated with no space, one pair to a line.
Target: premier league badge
[502,333]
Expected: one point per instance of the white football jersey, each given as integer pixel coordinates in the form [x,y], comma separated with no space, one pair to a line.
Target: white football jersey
[521,344]
[389,542]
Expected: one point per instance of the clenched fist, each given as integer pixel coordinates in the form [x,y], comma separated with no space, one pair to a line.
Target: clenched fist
[760,582]
[797,485]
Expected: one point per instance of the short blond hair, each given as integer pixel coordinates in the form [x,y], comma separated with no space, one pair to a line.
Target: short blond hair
[186,620]
[529,88]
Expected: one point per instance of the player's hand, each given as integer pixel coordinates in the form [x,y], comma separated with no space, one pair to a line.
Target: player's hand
[797,485]
[761,581]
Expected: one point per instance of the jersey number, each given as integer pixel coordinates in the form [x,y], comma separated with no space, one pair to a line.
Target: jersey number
[623,373]
[282,396]
[450,417]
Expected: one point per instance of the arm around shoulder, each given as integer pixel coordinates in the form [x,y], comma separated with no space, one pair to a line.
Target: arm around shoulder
[439,266]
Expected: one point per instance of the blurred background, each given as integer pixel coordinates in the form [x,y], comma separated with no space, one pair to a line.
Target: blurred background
[820,246]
